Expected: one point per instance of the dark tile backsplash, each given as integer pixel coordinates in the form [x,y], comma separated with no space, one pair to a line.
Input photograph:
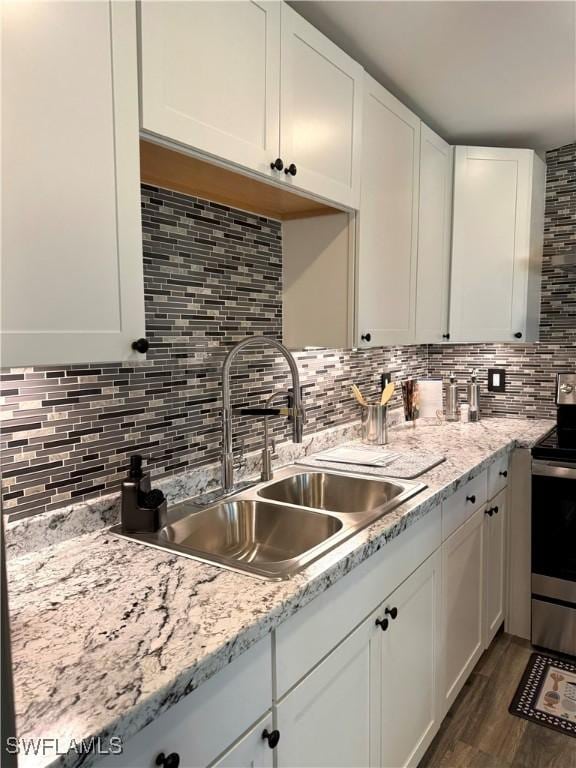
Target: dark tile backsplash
[212,276]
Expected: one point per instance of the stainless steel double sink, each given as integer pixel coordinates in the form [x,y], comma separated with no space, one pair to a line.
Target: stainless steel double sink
[275,529]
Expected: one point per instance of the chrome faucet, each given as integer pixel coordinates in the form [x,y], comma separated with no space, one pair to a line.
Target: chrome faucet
[295,412]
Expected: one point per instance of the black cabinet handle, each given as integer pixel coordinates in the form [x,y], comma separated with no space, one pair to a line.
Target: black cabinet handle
[495,510]
[272,737]
[445,335]
[504,473]
[489,512]
[471,499]
[392,612]
[366,337]
[277,165]
[141,345]
[291,169]
[172,761]
[518,335]
[383,624]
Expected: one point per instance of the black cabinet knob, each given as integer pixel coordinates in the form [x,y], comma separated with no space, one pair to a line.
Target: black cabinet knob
[518,335]
[495,510]
[383,624]
[504,473]
[277,165]
[141,345]
[471,499]
[445,335]
[170,761]
[272,737]
[291,169]
[366,337]
[489,512]
[392,612]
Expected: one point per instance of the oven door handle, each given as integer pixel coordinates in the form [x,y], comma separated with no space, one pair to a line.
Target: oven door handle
[554,469]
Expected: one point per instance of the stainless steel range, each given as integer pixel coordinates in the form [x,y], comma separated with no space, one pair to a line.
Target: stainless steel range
[554,527]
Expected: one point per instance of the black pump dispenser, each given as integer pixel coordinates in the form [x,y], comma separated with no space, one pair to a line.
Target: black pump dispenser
[142,509]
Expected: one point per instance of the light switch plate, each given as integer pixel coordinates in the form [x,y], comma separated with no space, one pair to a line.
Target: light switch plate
[496,380]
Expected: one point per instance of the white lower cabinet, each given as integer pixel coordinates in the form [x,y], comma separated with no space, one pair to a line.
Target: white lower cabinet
[495,525]
[374,700]
[204,725]
[252,751]
[409,656]
[327,719]
[462,604]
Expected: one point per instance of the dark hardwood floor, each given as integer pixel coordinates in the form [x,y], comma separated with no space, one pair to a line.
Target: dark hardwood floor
[479,732]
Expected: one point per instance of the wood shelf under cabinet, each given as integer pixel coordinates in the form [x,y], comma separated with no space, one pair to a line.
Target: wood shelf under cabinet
[165,167]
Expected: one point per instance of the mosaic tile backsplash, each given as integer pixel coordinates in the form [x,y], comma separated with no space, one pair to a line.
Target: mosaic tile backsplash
[531,368]
[212,276]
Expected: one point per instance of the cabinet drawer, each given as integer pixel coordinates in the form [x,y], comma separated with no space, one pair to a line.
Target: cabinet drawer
[463,503]
[308,636]
[497,476]
[205,723]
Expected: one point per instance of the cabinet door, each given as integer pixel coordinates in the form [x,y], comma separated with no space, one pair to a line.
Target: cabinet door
[495,524]
[210,77]
[388,221]
[491,242]
[409,654]
[252,751]
[72,284]
[320,112]
[326,719]
[462,604]
[434,238]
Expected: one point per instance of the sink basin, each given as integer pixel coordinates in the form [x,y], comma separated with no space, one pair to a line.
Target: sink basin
[251,533]
[275,530]
[343,494]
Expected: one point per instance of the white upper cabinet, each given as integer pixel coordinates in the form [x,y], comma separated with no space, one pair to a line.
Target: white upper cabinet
[250,82]
[434,238]
[321,107]
[388,221]
[210,77]
[497,244]
[72,285]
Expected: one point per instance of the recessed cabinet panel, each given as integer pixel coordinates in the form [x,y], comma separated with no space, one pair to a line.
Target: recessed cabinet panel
[462,597]
[497,244]
[409,660]
[388,221]
[495,524]
[326,719]
[320,112]
[72,285]
[210,77]
[434,238]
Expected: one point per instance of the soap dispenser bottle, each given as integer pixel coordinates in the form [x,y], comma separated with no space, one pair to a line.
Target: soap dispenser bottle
[474,396]
[142,509]
[452,399]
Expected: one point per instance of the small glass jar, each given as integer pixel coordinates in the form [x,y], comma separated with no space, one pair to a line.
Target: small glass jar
[464,412]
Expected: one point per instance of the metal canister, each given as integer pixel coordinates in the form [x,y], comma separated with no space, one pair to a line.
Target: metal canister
[452,399]
[474,397]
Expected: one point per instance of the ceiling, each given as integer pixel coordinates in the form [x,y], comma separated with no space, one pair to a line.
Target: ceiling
[494,73]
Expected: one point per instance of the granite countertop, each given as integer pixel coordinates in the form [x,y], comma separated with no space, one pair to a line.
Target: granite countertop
[108,634]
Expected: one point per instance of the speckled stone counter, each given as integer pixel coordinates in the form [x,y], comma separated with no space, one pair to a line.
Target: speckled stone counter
[108,634]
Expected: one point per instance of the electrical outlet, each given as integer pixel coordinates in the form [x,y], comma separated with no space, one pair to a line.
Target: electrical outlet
[496,380]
